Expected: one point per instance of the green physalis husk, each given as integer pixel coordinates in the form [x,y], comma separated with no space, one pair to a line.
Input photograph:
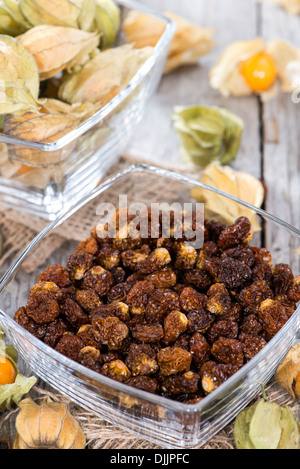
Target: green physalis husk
[266,425]
[11,394]
[208,134]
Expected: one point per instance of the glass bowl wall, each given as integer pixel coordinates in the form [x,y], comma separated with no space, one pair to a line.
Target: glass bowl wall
[163,421]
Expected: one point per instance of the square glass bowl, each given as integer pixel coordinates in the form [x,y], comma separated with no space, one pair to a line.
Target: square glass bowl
[45,178]
[165,422]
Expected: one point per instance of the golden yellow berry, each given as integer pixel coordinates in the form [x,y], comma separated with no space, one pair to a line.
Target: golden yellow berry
[259,71]
[7,371]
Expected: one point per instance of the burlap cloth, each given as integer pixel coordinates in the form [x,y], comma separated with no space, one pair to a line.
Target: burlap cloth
[17,232]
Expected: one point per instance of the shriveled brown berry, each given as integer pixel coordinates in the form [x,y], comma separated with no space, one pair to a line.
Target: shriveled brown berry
[282,278]
[161,302]
[173,360]
[133,258]
[233,273]
[219,300]
[186,257]
[228,329]
[141,360]
[239,232]
[199,279]
[214,229]
[116,370]
[74,314]
[54,331]
[119,275]
[235,313]
[200,321]
[88,299]
[42,307]
[252,344]
[158,259]
[98,279]
[90,357]
[262,272]
[79,264]
[165,278]
[251,325]
[47,286]
[251,297]
[89,246]
[70,346]
[118,309]
[200,349]
[214,374]
[174,324]
[228,351]
[262,256]
[144,383]
[108,257]
[111,332]
[138,297]
[56,274]
[88,335]
[148,333]
[242,253]
[272,316]
[183,383]
[38,330]
[294,291]
[119,292]
[191,300]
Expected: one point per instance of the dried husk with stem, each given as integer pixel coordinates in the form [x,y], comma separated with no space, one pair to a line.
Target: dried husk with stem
[19,78]
[288,372]
[48,425]
[266,425]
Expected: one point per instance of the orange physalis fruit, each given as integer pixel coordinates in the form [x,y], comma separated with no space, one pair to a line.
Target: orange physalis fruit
[259,71]
[7,371]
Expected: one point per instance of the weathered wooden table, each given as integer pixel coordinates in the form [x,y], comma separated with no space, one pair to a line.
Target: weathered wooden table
[270,148]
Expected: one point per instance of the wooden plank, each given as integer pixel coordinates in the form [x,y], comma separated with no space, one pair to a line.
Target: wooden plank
[155,139]
[281,155]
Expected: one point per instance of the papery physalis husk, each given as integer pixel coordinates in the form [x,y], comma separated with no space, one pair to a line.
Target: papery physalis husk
[107,21]
[49,425]
[291,6]
[9,23]
[227,77]
[189,43]
[287,58]
[56,48]
[236,183]
[19,78]
[208,134]
[52,12]
[266,425]
[288,372]
[43,128]
[104,76]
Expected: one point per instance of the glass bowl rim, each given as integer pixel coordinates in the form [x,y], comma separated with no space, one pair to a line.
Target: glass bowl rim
[104,112]
[83,371]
